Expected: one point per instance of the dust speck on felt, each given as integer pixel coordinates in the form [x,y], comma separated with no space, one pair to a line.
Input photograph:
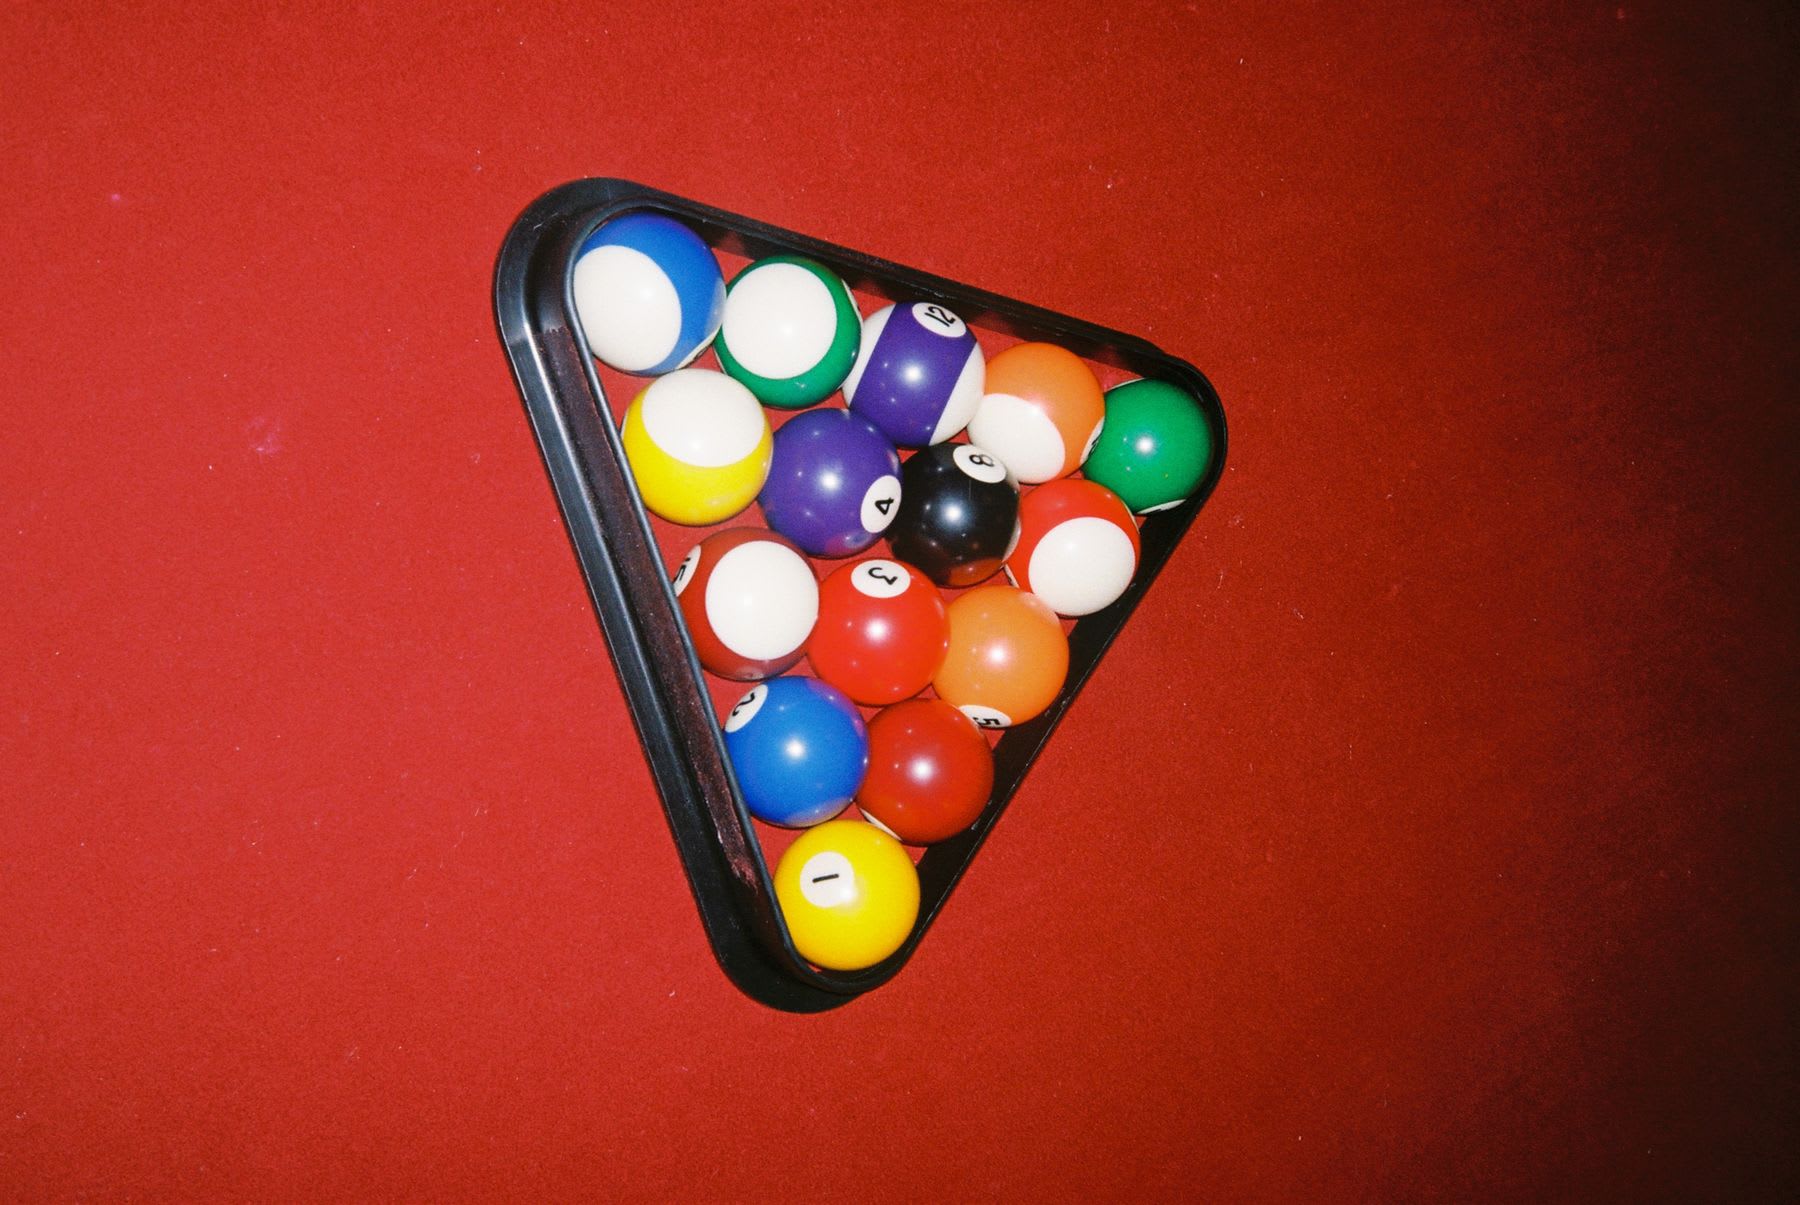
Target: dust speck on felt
[265,435]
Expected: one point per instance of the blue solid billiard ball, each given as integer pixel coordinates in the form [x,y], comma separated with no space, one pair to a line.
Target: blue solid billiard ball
[649,293]
[799,749]
[834,483]
[919,374]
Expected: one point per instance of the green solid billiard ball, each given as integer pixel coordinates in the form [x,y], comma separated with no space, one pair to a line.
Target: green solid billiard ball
[791,331]
[1154,448]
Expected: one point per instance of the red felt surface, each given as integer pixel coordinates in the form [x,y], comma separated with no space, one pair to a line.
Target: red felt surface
[1429,834]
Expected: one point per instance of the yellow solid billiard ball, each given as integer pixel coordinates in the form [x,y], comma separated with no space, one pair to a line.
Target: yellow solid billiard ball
[849,893]
[699,446]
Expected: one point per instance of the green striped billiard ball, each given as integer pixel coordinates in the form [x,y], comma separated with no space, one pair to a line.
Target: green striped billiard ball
[1154,447]
[791,331]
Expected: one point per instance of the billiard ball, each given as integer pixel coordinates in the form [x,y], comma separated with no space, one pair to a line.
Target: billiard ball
[958,515]
[918,373]
[749,600]
[930,771]
[799,750]
[1041,412]
[848,893]
[1008,656]
[648,292]
[881,634]
[698,446]
[791,331]
[834,483]
[1155,447]
[1078,546]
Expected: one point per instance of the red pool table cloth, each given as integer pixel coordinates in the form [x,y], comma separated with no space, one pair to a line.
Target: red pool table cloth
[1428,834]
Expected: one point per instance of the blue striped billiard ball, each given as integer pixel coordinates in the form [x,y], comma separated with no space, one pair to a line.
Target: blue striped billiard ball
[649,294]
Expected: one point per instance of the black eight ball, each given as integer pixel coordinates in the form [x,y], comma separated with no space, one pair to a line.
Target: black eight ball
[959,514]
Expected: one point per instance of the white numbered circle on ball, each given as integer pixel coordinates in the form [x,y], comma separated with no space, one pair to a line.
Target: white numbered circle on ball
[881,579]
[880,503]
[828,880]
[745,709]
[684,572]
[870,817]
[986,717]
[979,463]
[938,320]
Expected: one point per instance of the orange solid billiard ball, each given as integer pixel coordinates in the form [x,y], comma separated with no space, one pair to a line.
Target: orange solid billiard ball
[1008,656]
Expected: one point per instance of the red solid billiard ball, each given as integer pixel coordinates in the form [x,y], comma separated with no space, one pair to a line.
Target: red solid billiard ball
[1008,656]
[1078,546]
[882,631]
[930,771]
[749,600]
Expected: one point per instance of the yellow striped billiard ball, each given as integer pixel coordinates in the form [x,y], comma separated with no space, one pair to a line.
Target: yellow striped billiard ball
[699,446]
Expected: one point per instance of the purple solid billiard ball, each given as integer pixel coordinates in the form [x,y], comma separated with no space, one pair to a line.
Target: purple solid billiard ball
[919,374]
[834,483]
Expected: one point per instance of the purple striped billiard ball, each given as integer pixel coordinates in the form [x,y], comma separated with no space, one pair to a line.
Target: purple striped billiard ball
[919,374]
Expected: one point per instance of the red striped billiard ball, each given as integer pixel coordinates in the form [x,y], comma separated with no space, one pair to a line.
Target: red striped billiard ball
[1078,546]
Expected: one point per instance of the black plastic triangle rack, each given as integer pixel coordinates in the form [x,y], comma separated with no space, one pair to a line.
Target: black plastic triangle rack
[670,702]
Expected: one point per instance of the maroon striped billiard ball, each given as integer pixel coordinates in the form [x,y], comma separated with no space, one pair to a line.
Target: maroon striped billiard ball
[749,600]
